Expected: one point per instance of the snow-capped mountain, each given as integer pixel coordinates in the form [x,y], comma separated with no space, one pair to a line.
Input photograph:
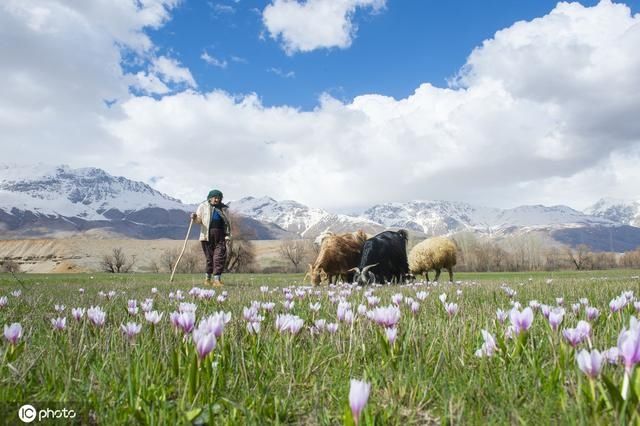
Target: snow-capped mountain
[294,217]
[46,201]
[443,217]
[88,193]
[621,211]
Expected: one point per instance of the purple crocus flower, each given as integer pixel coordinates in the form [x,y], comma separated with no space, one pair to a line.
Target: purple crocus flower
[521,321]
[59,308]
[362,310]
[77,313]
[489,346]
[13,333]
[205,342]
[186,321]
[289,323]
[358,397]
[617,304]
[415,307]
[315,307]
[59,324]
[97,316]
[3,301]
[320,324]
[555,318]
[612,355]
[590,363]
[501,315]
[451,308]
[253,327]
[592,313]
[131,330]
[396,299]
[629,345]
[546,310]
[391,333]
[153,317]
[560,301]
[422,295]
[576,308]
[332,327]
[215,323]
[573,336]
[385,316]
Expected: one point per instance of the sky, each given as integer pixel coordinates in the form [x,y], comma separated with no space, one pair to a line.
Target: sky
[338,104]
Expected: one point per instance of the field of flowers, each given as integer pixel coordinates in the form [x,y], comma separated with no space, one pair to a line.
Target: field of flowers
[510,348]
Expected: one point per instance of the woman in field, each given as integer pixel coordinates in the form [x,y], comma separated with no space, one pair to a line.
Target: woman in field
[215,230]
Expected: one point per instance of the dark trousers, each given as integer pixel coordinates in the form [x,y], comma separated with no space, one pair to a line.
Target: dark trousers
[215,251]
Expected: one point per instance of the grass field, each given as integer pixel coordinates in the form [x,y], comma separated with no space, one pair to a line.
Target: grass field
[429,374]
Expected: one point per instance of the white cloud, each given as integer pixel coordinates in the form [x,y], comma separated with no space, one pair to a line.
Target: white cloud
[544,112]
[280,73]
[171,71]
[314,24]
[211,60]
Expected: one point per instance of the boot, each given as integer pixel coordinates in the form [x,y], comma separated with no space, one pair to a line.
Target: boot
[208,282]
[216,281]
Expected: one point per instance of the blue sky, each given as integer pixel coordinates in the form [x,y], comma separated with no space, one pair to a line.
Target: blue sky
[338,104]
[393,52]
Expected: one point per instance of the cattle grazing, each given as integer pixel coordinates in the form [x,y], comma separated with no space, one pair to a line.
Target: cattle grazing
[338,254]
[433,253]
[384,258]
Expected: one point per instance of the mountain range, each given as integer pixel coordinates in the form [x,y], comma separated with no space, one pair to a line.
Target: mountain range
[38,201]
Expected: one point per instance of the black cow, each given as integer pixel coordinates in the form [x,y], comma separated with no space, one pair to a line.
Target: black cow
[384,258]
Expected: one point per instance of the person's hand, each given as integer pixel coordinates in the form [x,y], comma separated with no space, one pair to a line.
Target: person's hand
[193,216]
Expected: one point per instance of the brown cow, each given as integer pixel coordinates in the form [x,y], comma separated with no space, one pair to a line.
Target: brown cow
[338,253]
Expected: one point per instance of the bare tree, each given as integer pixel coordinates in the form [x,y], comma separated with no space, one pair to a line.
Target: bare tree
[241,253]
[630,259]
[117,262]
[192,260]
[9,265]
[294,251]
[580,257]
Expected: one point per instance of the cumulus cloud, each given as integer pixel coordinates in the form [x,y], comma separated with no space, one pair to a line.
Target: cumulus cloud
[543,112]
[314,24]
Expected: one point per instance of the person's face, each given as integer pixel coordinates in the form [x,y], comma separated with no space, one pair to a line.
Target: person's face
[215,200]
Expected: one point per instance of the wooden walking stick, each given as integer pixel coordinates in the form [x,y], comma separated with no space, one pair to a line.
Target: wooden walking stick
[182,252]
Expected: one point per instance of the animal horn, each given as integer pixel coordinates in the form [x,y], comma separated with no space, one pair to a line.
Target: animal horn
[366,268]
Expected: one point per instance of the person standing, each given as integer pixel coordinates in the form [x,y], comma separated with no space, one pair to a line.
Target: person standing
[215,231]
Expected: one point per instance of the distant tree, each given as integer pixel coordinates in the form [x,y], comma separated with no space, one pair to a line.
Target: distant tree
[192,260]
[241,253]
[9,265]
[580,257]
[294,251]
[630,259]
[117,262]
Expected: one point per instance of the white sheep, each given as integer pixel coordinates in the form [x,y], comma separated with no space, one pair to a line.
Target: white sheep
[433,253]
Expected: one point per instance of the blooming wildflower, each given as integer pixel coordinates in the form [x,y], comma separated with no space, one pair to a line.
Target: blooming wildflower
[458,292]
[501,315]
[16,293]
[422,295]
[205,342]
[111,294]
[58,308]
[59,323]
[362,310]
[612,355]
[534,304]
[186,321]
[573,336]
[391,333]
[629,345]
[560,301]
[81,290]
[443,298]
[358,397]
[617,304]
[264,288]
[489,346]
[187,307]
[546,310]
[3,301]
[147,305]
[221,298]
[584,328]
[97,316]
[315,307]
[521,321]
[415,307]
[451,308]
[253,327]
[289,304]
[215,323]
[576,308]
[131,330]
[555,318]
[153,317]
[584,301]
[332,327]
[13,333]
[268,306]
[592,313]
[77,313]
[320,324]
[590,363]
[386,316]
[154,290]
[396,299]
[373,300]
[291,323]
